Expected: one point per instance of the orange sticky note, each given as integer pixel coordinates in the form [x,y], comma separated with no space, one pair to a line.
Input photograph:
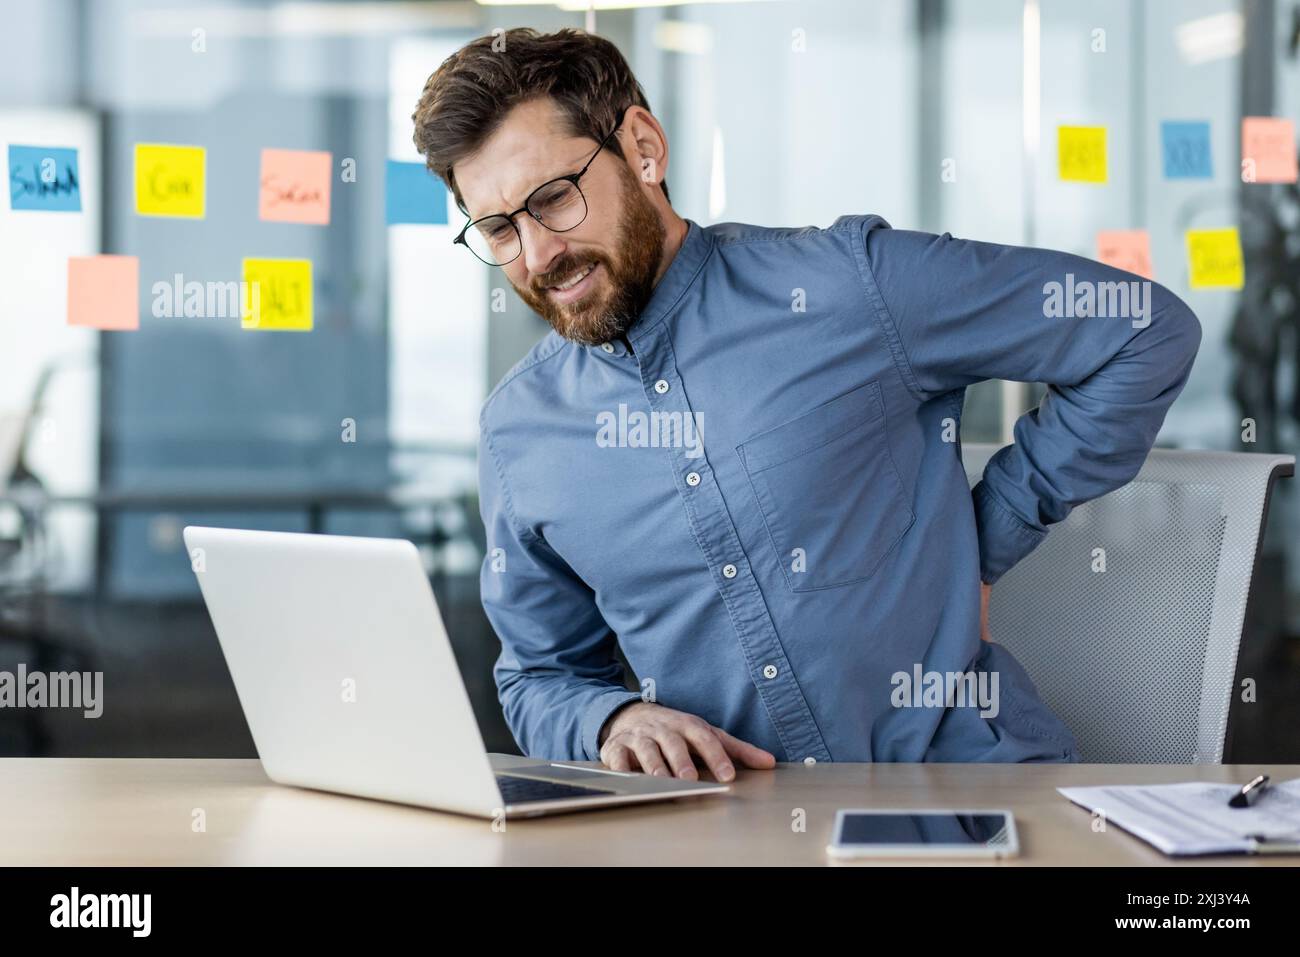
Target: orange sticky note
[1268,152]
[295,186]
[1127,249]
[104,292]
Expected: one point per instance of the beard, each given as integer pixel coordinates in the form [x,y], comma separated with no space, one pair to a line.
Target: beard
[615,303]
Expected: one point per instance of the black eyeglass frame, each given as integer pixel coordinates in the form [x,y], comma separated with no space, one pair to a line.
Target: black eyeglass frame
[510,217]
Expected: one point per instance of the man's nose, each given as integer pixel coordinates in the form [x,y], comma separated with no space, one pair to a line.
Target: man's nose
[541,245]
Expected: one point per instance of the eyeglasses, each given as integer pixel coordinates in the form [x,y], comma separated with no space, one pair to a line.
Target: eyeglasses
[557,204]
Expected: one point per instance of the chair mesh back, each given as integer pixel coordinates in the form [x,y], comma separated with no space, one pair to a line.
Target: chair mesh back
[11,443]
[1128,616]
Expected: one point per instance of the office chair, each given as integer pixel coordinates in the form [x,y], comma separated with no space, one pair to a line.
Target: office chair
[19,568]
[1140,659]
[27,555]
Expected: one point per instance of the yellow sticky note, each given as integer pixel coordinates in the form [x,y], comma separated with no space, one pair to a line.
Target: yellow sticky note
[1081,153]
[1214,258]
[277,294]
[170,180]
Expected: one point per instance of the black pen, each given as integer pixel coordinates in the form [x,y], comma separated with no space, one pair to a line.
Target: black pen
[1250,792]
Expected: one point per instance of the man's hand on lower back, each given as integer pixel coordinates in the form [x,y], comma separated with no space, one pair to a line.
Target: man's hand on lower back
[658,740]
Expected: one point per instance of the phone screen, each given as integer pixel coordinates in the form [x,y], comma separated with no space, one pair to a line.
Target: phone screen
[939,828]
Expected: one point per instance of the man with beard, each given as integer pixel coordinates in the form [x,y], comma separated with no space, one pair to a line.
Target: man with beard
[769,589]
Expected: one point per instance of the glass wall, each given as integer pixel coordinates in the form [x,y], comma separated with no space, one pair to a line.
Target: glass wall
[939,115]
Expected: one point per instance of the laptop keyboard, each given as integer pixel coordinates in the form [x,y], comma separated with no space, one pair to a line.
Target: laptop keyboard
[523,790]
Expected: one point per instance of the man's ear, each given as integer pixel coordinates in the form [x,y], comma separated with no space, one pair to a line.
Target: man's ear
[648,155]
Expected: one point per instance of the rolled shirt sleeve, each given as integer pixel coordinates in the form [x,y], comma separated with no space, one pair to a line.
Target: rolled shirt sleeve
[557,676]
[988,311]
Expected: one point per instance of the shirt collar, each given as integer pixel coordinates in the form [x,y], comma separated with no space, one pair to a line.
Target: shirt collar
[677,278]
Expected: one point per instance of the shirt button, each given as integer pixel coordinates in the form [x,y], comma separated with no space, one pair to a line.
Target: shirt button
[608,347]
[661,386]
[728,571]
[810,760]
[769,671]
[692,479]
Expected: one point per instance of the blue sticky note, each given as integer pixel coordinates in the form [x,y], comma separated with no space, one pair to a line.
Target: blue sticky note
[44,178]
[412,194]
[1186,147]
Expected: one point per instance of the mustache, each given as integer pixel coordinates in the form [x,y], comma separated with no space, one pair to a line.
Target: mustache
[564,270]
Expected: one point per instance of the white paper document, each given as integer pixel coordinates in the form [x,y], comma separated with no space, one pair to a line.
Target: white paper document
[1183,819]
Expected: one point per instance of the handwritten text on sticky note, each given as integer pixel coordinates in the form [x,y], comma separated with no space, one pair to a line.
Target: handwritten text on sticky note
[1127,249]
[170,180]
[1268,153]
[44,178]
[1081,153]
[278,294]
[1186,149]
[104,292]
[1214,258]
[295,187]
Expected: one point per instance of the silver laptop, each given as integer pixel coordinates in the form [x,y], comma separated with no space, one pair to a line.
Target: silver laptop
[348,681]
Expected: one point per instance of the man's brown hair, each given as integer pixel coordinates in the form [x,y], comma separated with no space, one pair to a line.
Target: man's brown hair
[466,98]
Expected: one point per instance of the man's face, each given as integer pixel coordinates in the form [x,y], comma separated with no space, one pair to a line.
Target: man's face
[616,249]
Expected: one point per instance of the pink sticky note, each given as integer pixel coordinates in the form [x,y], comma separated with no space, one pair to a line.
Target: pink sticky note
[104,292]
[1127,249]
[1268,152]
[296,187]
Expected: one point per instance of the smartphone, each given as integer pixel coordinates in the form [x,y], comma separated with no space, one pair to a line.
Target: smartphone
[900,832]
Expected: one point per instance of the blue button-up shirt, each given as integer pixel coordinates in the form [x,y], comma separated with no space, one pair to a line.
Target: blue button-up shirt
[762,501]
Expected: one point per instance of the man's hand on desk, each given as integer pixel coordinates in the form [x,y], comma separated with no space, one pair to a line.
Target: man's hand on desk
[658,740]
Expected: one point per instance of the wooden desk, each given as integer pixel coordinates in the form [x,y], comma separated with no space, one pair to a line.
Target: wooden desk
[56,811]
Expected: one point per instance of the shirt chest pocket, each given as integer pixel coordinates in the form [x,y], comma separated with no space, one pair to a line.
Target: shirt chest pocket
[828,491]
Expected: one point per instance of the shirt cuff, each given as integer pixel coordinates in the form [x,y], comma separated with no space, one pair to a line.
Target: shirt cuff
[598,712]
[1004,538]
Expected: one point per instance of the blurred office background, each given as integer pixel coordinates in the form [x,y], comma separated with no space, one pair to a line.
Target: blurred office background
[779,113]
